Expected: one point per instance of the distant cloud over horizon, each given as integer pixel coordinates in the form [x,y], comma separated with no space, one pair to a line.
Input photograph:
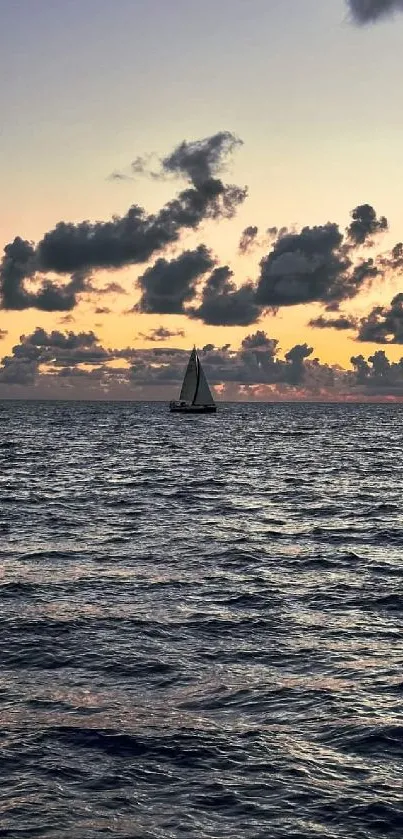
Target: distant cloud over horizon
[341,322]
[77,364]
[248,238]
[161,334]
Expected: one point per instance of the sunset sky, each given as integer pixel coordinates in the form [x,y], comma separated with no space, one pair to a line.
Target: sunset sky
[210,119]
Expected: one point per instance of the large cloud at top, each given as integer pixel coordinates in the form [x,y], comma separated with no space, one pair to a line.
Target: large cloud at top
[82,248]
[321,264]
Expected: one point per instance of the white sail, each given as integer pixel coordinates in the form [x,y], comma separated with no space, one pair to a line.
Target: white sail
[189,385]
[203,394]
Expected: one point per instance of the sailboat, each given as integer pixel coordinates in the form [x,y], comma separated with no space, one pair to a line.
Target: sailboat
[195,396]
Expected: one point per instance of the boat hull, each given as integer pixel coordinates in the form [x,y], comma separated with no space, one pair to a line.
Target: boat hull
[192,409]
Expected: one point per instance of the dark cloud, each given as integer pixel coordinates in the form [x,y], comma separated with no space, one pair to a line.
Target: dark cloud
[342,322]
[384,325]
[53,297]
[17,265]
[317,264]
[314,265]
[365,224]
[109,288]
[141,165]
[161,334]
[224,304]
[55,349]
[302,267]
[378,375]
[20,263]
[369,11]
[201,160]
[393,260]
[198,160]
[259,354]
[68,340]
[3,334]
[260,341]
[296,358]
[119,176]
[18,372]
[248,238]
[276,232]
[167,285]
[133,238]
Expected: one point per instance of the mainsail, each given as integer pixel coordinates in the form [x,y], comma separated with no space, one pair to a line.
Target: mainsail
[195,389]
[189,386]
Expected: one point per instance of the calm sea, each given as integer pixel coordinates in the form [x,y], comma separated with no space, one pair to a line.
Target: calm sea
[201,625]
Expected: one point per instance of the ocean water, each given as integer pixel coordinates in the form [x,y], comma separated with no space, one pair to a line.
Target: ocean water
[201,625]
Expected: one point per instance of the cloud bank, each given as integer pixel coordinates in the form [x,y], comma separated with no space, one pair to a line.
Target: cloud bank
[74,365]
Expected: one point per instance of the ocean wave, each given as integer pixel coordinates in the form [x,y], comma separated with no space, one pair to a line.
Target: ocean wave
[200,625]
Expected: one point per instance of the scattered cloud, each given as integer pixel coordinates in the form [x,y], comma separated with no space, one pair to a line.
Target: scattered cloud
[119,176]
[161,334]
[109,288]
[341,322]
[248,239]
[3,334]
[260,341]
[102,310]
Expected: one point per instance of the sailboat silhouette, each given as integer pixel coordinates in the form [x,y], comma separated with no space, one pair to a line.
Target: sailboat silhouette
[195,396]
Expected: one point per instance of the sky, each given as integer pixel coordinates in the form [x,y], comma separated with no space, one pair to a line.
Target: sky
[226,173]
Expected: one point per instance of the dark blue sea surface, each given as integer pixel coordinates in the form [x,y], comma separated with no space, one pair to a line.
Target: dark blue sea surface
[201,621]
